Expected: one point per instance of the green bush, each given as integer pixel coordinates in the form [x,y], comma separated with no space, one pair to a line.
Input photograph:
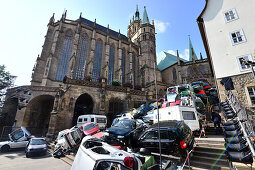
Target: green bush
[116,83]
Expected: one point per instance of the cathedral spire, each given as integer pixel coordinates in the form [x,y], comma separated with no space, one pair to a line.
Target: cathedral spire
[137,14]
[145,16]
[192,54]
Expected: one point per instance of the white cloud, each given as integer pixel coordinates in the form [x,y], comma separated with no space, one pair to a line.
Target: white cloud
[161,26]
[184,54]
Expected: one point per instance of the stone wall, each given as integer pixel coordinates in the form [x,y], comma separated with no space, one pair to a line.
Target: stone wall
[241,82]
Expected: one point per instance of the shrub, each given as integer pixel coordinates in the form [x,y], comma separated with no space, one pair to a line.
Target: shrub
[116,83]
[128,85]
[88,78]
[138,87]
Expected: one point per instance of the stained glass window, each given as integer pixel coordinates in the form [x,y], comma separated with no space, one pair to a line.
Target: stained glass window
[97,60]
[81,58]
[123,62]
[65,55]
[111,65]
[174,74]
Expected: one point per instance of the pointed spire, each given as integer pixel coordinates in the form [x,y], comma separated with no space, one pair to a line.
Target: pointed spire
[95,23]
[145,16]
[137,14]
[52,19]
[80,15]
[192,54]
[178,58]
[64,15]
[201,57]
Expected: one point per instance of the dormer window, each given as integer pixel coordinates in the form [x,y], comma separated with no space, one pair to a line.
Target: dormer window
[230,15]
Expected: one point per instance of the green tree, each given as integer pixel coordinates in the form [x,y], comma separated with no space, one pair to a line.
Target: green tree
[6,81]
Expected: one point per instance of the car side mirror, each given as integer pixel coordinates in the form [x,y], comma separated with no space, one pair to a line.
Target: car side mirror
[145,151]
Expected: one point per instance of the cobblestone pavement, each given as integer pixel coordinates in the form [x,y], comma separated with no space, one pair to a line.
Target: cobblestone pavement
[16,160]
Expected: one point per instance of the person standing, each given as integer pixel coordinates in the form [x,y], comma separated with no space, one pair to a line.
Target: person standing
[216,120]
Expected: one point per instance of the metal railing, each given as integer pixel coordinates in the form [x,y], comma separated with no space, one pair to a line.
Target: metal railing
[242,117]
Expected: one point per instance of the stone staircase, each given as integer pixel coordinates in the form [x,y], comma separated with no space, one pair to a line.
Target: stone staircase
[209,149]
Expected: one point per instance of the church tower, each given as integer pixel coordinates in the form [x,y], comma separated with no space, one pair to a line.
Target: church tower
[142,33]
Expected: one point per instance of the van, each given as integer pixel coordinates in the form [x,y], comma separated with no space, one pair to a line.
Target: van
[188,114]
[99,120]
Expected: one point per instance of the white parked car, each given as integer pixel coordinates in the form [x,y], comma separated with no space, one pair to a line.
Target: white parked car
[18,139]
[95,154]
[67,140]
[99,120]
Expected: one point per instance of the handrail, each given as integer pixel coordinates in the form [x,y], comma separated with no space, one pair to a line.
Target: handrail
[235,105]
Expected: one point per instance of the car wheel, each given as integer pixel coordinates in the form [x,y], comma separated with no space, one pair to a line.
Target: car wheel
[58,154]
[27,155]
[5,148]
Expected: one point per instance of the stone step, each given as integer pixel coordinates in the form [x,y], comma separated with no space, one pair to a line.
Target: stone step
[211,145]
[210,140]
[209,149]
[210,160]
[186,167]
[205,165]
[68,159]
[209,154]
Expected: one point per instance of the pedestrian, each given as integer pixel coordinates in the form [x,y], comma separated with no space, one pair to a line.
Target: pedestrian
[216,120]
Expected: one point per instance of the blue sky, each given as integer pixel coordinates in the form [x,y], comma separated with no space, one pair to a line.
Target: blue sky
[24,25]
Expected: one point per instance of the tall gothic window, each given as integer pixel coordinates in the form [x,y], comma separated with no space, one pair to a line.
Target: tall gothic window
[133,68]
[111,65]
[65,55]
[123,62]
[97,60]
[81,58]
[174,74]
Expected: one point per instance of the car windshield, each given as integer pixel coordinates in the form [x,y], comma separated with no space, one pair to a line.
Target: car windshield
[75,136]
[108,165]
[37,142]
[88,127]
[17,134]
[124,124]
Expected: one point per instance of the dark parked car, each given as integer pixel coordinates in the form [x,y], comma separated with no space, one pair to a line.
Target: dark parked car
[36,146]
[126,130]
[176,138]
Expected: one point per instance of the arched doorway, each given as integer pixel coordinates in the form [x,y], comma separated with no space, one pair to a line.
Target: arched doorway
[37,115]
[115,108]
[83,105]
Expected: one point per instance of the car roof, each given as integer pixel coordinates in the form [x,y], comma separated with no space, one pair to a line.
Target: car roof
[86,124]
[115,154]
[168,124]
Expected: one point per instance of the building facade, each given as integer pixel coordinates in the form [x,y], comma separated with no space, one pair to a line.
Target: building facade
[81,67]
[79,70]
[227,28]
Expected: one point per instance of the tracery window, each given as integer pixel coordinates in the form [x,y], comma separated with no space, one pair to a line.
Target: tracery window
[81,58]
[133,67]
[174,74]
[111,65]
[65,55]
[123,62]
[97,60]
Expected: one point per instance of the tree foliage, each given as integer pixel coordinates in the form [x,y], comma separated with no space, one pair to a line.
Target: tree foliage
[6,79]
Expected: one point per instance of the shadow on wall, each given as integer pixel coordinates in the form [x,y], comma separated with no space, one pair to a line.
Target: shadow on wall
[216,6]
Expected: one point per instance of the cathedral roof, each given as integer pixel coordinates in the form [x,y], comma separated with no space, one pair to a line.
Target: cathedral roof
[168,61]
[102,28]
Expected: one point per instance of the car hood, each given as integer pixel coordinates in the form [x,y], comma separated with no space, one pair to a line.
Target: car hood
[119,131]
[37,146]
[4,143]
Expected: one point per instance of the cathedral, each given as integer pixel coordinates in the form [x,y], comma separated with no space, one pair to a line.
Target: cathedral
[87,68]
